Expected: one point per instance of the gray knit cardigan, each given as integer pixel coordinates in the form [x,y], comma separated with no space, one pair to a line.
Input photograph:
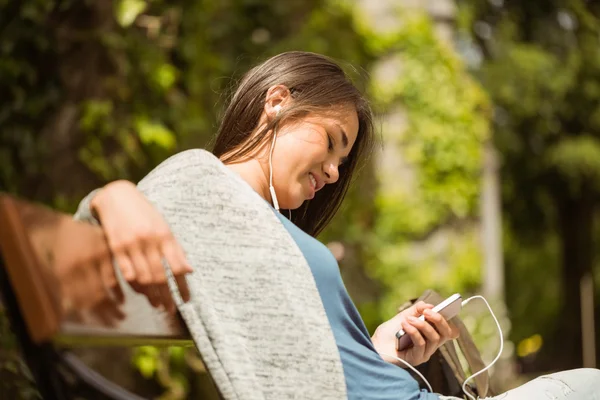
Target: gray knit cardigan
[255,314]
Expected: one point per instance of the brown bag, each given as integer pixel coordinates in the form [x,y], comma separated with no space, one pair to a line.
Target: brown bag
[443,370]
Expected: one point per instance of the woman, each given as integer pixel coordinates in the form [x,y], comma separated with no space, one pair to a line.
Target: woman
[295,131]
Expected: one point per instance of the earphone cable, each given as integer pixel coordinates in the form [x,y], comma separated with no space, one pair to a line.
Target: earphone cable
[271,188]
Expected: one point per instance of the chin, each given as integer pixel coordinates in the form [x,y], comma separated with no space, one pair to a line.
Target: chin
[294,206]
[293,203]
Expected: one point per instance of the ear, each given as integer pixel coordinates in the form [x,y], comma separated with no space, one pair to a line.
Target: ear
[277,98]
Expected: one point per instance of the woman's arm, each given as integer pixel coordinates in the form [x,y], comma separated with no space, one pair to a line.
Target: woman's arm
[139,239]
[84,211]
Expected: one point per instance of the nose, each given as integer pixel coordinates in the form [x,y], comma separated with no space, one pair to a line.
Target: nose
[331,172]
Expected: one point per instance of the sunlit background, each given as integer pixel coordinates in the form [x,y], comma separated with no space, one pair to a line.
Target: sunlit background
[486,179]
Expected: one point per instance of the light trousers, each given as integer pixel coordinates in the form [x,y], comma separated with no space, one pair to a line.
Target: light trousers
[577,384]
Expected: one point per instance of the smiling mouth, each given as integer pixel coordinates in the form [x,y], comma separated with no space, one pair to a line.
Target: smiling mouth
[313,181]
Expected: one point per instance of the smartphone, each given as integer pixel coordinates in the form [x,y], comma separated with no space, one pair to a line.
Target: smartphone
[448,308]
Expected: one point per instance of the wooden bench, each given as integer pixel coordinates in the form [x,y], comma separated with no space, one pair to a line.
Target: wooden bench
[45,257]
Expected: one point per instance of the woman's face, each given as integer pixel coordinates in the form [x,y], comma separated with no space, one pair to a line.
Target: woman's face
[309,151]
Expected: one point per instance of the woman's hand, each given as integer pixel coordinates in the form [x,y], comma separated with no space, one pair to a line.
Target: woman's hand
[427,336]
[139,239]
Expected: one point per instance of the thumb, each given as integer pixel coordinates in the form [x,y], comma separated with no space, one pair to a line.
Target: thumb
[420,307]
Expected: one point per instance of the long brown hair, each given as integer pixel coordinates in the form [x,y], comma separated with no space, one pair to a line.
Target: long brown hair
[315,82]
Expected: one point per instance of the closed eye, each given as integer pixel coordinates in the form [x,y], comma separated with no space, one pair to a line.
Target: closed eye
[330,141]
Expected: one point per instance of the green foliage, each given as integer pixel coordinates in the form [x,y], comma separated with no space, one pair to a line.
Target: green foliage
[145,359]
[16,381]
[578,160]
[128,10]
[121,88]
[413,247]
[95,91]
[535,262]
[541,67]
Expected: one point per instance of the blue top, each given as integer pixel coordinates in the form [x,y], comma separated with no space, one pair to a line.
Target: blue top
[368,376]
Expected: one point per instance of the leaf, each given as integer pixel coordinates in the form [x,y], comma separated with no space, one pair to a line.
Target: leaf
[95,113]
[576,158]
[147,366]
[128,10]
[165,76]
[156,133]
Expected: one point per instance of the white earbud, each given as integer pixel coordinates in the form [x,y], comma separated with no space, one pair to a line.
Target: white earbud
[277,109]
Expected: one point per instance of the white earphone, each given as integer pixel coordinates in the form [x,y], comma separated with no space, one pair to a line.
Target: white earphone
[277,109]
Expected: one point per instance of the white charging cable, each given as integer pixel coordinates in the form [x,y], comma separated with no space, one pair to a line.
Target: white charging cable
[412,368]
[464,386]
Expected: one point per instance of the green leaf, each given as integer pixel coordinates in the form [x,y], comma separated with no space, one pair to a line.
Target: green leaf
[156,133]
[576,158]
[165,76]
[95,113]
[128,10]
[147,366]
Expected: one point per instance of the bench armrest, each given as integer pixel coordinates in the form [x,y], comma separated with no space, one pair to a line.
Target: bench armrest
[43,251]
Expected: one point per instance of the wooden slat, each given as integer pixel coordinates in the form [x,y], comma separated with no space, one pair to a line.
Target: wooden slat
[49,257]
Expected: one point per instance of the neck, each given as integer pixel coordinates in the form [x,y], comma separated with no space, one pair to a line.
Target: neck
[255,174]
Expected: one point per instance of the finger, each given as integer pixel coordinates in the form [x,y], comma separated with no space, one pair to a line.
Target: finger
[103,317]
[432,338]
[108,313]
[439,323]
[113,310]
[141,266]
[109,278]
[421,306]
[138,288]
[125,265]
[176,258]
[417,350]
[184,290]
[173,254]
[428,332]
[153,295]
[154,258]
[166,298]
[159,278]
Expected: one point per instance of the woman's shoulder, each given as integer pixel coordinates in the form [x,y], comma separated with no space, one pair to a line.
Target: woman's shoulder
[192,171]
[190,158]
[185,166]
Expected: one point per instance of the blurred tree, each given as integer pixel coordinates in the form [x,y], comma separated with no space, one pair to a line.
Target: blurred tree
[540,62]
[423,233]
[92,91]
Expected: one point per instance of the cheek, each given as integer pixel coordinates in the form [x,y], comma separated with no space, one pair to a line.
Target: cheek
[303,150]
[311,139]
[286,161]
[289,165]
